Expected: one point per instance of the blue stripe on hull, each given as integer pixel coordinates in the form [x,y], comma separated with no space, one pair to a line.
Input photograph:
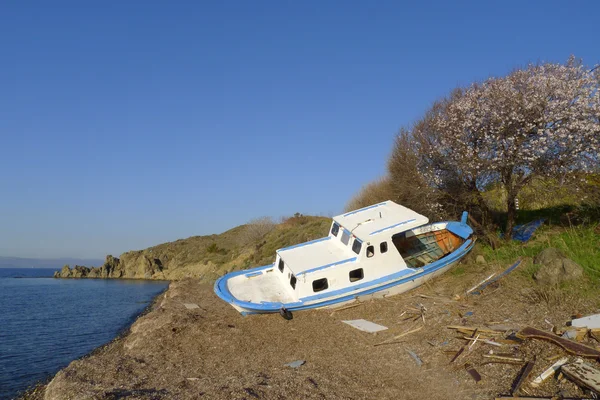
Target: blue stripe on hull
[270,307]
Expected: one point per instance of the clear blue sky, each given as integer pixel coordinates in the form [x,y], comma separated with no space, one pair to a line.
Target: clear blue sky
[125,124]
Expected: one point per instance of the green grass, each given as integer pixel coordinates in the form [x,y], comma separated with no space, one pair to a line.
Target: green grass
[459,270]
[580,243]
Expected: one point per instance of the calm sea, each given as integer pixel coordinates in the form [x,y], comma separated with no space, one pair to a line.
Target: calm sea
[46,323]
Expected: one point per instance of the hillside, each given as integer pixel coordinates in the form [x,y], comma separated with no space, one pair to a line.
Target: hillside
[207,257]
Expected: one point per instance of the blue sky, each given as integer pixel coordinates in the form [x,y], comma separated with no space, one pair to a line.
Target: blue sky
[127,124]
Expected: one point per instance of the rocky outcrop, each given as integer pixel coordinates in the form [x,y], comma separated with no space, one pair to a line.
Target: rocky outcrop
[78,271]
[110,269]
[203,257]
[556,268]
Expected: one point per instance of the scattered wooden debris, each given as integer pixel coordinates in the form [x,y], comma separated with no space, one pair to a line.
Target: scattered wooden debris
[554,357]
[569,346]
[392,340]
[462,349]
[474,341]
[504,358]
[595,334]
[523,375]
[583,374]
[415,357]
[549,372]
[479,289]
[539,398]
[473,372]
[470,329]
[191,306]
[486,341]
[573,333]
[590,322]
[502,362]
[364,325]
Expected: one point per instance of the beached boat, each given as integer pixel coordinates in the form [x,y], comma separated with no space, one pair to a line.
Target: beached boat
[377,251]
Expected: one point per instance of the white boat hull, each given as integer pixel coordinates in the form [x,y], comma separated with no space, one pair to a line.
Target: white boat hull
[408,279]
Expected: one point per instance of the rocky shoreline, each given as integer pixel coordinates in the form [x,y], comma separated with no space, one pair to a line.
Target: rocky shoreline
[192,345]
[116,268]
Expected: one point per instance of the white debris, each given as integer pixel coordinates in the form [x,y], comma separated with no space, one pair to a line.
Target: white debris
[549,372]
[590,322]
[296,364]
[366,326]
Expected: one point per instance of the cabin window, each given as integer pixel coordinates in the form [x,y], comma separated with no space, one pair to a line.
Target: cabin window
[293,282]
[281,265]
[345,237]
[383,247]
[356,246]
[370,251]
[320,285]
[356,275]
[335,229]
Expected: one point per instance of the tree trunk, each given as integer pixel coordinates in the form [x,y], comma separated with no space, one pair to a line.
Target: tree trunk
[511,216]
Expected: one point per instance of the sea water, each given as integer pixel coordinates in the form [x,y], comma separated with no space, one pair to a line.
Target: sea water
[46,323]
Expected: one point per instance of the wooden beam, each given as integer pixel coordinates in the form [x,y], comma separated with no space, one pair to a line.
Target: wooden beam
[583,374]
[523,374]
[569,345]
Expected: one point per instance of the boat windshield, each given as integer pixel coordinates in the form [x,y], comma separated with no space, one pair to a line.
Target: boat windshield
[335,228]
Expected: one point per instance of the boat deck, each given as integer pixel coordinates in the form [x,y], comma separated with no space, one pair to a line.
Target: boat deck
[257,288]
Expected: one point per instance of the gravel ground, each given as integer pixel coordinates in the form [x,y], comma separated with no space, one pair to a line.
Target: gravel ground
[212,352]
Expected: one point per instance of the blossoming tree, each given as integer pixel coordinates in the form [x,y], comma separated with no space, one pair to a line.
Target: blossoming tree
[542,120]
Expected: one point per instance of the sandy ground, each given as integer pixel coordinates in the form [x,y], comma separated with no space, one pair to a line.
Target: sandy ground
[212,352]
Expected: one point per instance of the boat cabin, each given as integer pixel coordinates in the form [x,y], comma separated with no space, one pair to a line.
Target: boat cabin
[369,244]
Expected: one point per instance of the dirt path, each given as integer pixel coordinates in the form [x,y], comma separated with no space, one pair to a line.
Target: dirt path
[212,352]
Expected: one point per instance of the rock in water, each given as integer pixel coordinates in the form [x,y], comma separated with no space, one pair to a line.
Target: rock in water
[555,268]
[65,272]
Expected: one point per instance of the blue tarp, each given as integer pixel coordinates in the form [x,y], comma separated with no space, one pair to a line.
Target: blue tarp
[524,232]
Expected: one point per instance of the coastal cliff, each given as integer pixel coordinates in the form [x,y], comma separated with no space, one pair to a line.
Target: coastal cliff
[207,257]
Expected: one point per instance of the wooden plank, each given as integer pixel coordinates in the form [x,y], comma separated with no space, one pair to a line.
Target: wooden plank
[495,279]
[502,362]
[472,328]
[583,374]
[523,374]
[484,341]
[388,341]
[481,283]
[504,358]
[473,372]
[569,345]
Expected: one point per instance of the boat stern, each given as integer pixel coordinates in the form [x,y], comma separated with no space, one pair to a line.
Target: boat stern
[252,291]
